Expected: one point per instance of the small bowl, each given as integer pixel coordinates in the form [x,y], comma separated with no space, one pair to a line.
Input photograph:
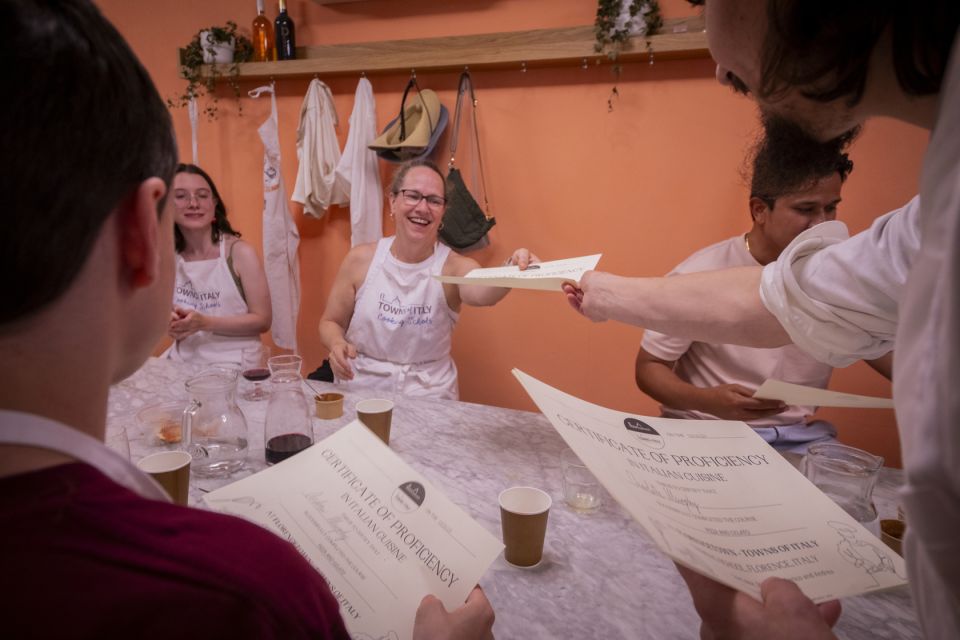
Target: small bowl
[160,423]
[891,532]
[329,405]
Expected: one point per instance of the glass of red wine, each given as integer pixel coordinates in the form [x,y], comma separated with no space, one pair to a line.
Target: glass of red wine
[255,372]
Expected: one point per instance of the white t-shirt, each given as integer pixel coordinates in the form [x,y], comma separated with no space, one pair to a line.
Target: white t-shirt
[897,290]
[708,365]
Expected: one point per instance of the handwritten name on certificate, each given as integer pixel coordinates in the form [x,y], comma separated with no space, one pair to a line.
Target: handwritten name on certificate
[380,533]
[715,497]
[543,276]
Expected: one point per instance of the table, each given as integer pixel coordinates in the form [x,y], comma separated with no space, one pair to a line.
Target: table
[601,576]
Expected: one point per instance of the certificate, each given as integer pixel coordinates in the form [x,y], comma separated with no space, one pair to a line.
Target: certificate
[715,497]
[543,276]
[798,394]
[382,536]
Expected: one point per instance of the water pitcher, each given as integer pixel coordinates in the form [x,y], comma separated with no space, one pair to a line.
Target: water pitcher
[213,425]
[847,475]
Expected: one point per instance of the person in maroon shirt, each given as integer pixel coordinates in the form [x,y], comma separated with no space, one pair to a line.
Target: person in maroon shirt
[88,546]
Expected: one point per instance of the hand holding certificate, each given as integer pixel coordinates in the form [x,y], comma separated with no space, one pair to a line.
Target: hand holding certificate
[543,276]
[382,536]
[713,496]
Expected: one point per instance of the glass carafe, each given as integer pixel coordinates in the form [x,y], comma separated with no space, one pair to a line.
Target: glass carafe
[213,425]
[847,475]
[288,428]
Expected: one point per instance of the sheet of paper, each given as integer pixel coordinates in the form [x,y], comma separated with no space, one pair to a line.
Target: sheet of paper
[715,497]
[800,395]
[381,534]
[544,276]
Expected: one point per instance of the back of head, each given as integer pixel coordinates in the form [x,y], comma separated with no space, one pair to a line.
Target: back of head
[786,160]
[84,128]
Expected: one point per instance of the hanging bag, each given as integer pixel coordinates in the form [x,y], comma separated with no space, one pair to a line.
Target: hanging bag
[465,222]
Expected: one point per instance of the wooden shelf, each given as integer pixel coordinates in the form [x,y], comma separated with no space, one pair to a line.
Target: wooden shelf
[679,38]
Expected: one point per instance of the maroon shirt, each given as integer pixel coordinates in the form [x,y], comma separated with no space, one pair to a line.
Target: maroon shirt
[83,557]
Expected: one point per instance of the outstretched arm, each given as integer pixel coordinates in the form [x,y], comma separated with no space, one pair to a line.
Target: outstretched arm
[657,379]
[711,306]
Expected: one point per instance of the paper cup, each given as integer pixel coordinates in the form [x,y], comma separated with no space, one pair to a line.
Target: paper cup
[329,405]
[376,414]
[523,517]
[891,532]
[171,469]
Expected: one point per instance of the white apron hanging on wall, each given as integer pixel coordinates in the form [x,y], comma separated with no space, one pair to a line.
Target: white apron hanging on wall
[280,236]
[359,172]
[319,153]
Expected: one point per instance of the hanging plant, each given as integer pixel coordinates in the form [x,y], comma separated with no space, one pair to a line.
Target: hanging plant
[619,20]
[223,49]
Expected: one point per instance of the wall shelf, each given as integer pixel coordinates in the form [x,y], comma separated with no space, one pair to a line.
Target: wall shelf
[679,38]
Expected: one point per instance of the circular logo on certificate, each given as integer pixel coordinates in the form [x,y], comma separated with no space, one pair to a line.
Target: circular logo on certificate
[643,432]
[408,496]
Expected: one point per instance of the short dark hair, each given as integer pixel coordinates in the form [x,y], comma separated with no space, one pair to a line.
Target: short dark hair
[785,159]
[85,127]
[824,46]
[220,223]
[405,168]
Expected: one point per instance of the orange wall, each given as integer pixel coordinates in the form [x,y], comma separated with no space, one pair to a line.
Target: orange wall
[645,185]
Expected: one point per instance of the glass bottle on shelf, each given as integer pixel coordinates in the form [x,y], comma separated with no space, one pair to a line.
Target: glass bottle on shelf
[286,41]
[264,48]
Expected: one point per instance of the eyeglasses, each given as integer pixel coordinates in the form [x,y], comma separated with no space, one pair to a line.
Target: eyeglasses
[412,198]
[183,197]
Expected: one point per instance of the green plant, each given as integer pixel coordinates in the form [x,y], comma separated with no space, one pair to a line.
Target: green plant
[612,30]
[203,82]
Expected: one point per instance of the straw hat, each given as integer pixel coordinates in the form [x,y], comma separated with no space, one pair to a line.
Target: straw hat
[425,119]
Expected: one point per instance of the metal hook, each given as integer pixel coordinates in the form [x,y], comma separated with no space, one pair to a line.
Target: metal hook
[651,55]
[363,74]
[413,73]
[523,66]
[583,64]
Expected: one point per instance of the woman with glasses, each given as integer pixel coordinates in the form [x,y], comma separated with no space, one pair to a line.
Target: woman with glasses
[221,303]
[388,323]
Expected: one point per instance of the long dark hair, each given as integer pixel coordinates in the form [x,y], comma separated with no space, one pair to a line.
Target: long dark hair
[809,41]
[220,223]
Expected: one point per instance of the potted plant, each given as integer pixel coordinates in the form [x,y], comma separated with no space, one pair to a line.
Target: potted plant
[222,49]
[617,21]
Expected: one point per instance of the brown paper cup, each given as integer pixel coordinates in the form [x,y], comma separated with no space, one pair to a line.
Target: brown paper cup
[376,414]
[329,405]
[171,469]
[891,532]
[523,517]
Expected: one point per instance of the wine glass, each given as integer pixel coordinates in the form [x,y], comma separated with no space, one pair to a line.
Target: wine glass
[255,371]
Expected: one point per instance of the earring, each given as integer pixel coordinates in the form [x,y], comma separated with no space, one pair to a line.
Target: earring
[440,228]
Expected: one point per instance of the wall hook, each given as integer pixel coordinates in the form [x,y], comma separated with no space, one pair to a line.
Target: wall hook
[523,66]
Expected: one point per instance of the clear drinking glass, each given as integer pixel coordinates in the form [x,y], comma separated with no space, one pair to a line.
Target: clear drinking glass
[255,373]
[847,475]
[213,425]
[581,489]
[288,428]
[285,363]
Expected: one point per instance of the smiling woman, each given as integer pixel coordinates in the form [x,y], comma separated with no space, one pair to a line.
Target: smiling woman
[221,303]
[388,323]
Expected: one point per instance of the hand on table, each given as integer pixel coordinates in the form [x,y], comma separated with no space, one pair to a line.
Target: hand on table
[784,612]
[577,296]
[340,355]
[522,258]
[471,621]
[185,322]
[736,402]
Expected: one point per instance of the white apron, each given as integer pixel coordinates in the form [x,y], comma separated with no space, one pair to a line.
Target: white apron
[280,236]
[208,286]
[402,328]
[359,171]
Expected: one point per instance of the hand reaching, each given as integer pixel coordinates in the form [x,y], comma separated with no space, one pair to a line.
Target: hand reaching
[522,258]
[736,402]
[340,355]
[784,613]
[577,297]
[471,621]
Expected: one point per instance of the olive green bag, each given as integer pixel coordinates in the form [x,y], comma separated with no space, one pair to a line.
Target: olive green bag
[465,222]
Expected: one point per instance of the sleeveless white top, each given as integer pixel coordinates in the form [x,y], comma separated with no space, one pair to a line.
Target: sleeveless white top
[402,328]
[208,287]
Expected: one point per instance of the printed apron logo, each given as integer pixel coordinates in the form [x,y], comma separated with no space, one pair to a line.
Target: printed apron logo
[203,301]
[395,313]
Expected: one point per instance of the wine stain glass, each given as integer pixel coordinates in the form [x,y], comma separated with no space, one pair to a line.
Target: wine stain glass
[255,372]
